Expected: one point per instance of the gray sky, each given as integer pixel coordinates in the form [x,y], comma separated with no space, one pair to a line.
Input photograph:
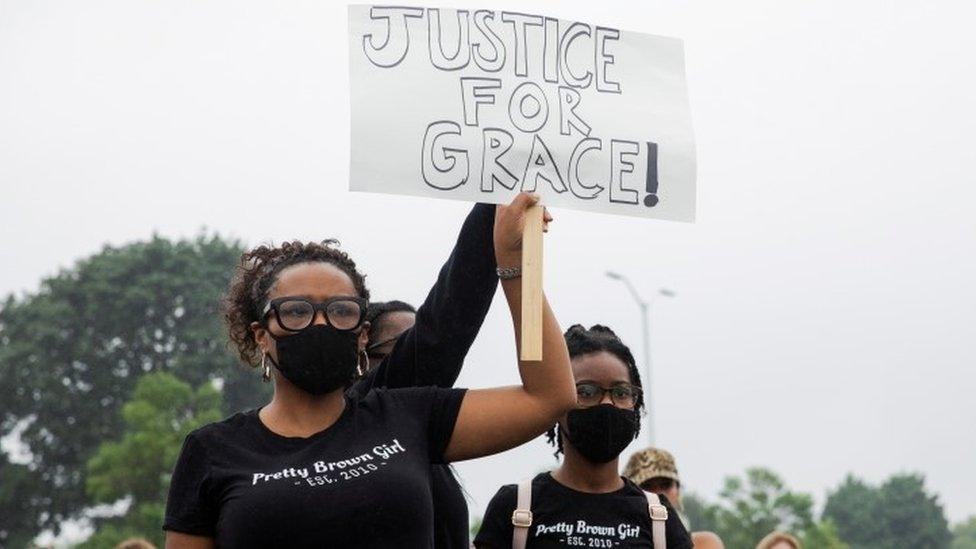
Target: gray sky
[825,314]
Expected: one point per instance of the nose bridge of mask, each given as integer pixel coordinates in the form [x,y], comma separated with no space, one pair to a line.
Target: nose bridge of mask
[601,410]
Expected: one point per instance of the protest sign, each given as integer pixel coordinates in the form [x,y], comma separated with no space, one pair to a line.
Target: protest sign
[480,104]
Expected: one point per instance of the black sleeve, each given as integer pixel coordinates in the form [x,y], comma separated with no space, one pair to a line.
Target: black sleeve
[674,531]
[434,411]
[448,321]
[188,508]
[496,527]
[445,404]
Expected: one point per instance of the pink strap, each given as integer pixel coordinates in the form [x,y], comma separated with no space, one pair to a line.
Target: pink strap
[659,516]
[522,516]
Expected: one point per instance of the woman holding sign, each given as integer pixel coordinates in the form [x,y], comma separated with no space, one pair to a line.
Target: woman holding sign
[585,502]
[431,344]
[315,467]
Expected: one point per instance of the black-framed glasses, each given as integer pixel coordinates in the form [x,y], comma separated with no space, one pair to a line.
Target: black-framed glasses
[294,314]
[623,395]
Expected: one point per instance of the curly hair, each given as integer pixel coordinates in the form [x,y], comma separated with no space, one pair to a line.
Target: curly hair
[598,338]
[255,276]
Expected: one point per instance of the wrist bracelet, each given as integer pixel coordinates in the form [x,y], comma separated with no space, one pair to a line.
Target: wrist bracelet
[508,273]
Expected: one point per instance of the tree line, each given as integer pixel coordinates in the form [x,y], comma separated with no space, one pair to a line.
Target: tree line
[109,363]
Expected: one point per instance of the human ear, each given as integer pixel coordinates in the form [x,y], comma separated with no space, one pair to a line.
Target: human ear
[261,337]
[364,335]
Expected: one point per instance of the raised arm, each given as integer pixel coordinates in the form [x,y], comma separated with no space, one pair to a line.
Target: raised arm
[494,420]
[433,350]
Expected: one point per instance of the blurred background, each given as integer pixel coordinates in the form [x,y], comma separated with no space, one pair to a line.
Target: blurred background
[813,363]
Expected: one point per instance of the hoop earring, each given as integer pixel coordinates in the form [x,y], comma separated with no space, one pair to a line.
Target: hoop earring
[360,369]
[265,368]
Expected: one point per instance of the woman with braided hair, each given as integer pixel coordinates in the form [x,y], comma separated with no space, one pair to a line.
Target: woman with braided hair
[322,467]
[585,502]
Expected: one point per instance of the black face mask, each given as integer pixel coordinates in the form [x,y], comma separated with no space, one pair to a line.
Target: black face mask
[318,359]
[600,432]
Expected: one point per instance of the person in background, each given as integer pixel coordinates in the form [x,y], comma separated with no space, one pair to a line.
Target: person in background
[654,470]
[707,540]
[388,320]
[779,540]
[585,502]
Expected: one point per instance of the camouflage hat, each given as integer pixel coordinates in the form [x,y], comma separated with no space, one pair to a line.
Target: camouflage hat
[651,463]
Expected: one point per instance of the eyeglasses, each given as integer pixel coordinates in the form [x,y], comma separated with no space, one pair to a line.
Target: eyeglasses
[623,395]
[372,352]
[297,313]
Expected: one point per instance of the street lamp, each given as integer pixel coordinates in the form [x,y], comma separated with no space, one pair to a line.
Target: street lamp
[645,307]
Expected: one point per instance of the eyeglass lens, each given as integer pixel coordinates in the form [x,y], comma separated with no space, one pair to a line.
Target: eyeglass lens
[298,314]
[590,394]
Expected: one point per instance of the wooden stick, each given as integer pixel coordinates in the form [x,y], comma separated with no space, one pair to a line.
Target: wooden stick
[532,284]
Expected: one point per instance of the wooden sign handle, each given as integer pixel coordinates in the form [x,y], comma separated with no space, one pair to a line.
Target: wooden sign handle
[532,284]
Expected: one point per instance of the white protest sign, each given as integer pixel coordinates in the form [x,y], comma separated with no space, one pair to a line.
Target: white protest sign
[478,105]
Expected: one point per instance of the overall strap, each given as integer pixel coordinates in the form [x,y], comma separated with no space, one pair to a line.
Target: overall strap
[522,516]
[659,515]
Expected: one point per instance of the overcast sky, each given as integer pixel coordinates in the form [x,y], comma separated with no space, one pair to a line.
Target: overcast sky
[825,315]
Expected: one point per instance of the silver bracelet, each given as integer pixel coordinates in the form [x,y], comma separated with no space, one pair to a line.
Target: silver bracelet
[508,273]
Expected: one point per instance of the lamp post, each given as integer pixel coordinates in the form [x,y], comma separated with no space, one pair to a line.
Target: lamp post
[645,307]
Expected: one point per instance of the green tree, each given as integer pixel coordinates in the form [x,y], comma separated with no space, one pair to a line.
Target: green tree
[16,485]
[913,518]
[70,355]
[899,514]
[701,514]
[753,506]
[823,535]
[855,507]
[138,466]
[964,534]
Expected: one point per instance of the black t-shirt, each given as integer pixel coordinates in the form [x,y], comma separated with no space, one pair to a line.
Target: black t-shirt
[363,482]
[563,517]
[433,350]
[450,509]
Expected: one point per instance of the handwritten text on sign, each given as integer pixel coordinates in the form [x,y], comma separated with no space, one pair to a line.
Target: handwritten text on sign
[478,105]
